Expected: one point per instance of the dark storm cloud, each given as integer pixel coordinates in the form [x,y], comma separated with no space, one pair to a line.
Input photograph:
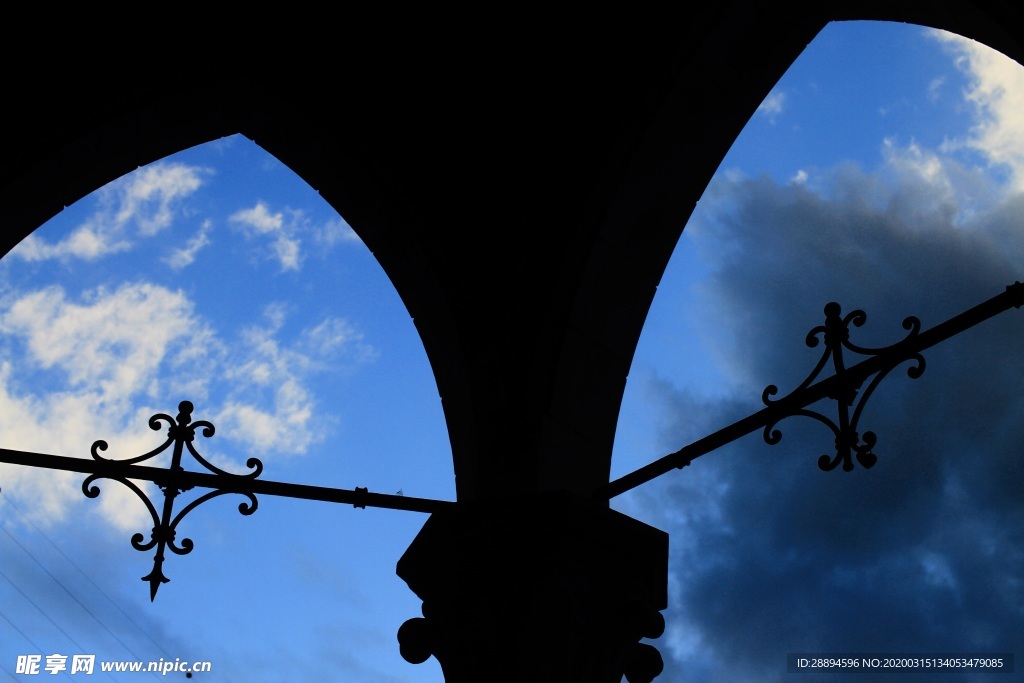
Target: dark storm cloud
[922,553]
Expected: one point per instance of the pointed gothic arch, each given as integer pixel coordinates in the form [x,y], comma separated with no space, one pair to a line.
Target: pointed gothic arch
[525,218]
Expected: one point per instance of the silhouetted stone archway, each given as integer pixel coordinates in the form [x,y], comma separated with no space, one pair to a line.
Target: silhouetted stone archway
[523,191]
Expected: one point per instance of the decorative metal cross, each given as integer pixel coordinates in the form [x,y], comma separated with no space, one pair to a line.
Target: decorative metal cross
[841,387]
[176,480]
[180,434]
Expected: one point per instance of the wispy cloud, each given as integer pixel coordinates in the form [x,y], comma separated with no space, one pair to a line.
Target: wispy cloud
[284,242]
[150,194]
[772,105]
[86,243]
[97,367]
[285,231]
[140,205]
[185,256]
[285,420]
[335,232]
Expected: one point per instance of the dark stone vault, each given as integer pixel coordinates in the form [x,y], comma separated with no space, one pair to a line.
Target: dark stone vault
[523,184]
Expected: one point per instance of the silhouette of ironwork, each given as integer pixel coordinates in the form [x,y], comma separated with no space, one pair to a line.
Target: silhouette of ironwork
[175,480]
[180,434]
[842,386]
[836,334]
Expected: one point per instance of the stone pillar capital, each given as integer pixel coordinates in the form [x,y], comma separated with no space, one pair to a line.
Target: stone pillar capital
[553,587]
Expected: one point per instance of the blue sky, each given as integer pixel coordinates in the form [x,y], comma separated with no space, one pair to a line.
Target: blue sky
[883,172]
[202,277]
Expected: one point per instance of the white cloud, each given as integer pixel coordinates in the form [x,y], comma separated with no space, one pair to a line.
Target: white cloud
[929,180]
[335,232]
[916,162]
[334,337]
[180,258]
[772,105]
[285,230]
[287,251]
[148,196]
[284,429]
[116,354]
[259,221]
[85,243]
[147,199]
[996,89]
[115,341]
[109,349]
[273,374]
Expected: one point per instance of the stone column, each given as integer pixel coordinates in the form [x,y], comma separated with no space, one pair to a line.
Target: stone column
[551,588]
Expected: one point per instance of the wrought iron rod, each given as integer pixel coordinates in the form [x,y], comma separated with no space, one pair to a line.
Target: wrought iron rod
[1012,297]
[229,484]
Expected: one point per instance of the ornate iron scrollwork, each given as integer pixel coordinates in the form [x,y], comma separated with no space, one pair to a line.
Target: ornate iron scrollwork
[180,434]
[842,386]
[849,443]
